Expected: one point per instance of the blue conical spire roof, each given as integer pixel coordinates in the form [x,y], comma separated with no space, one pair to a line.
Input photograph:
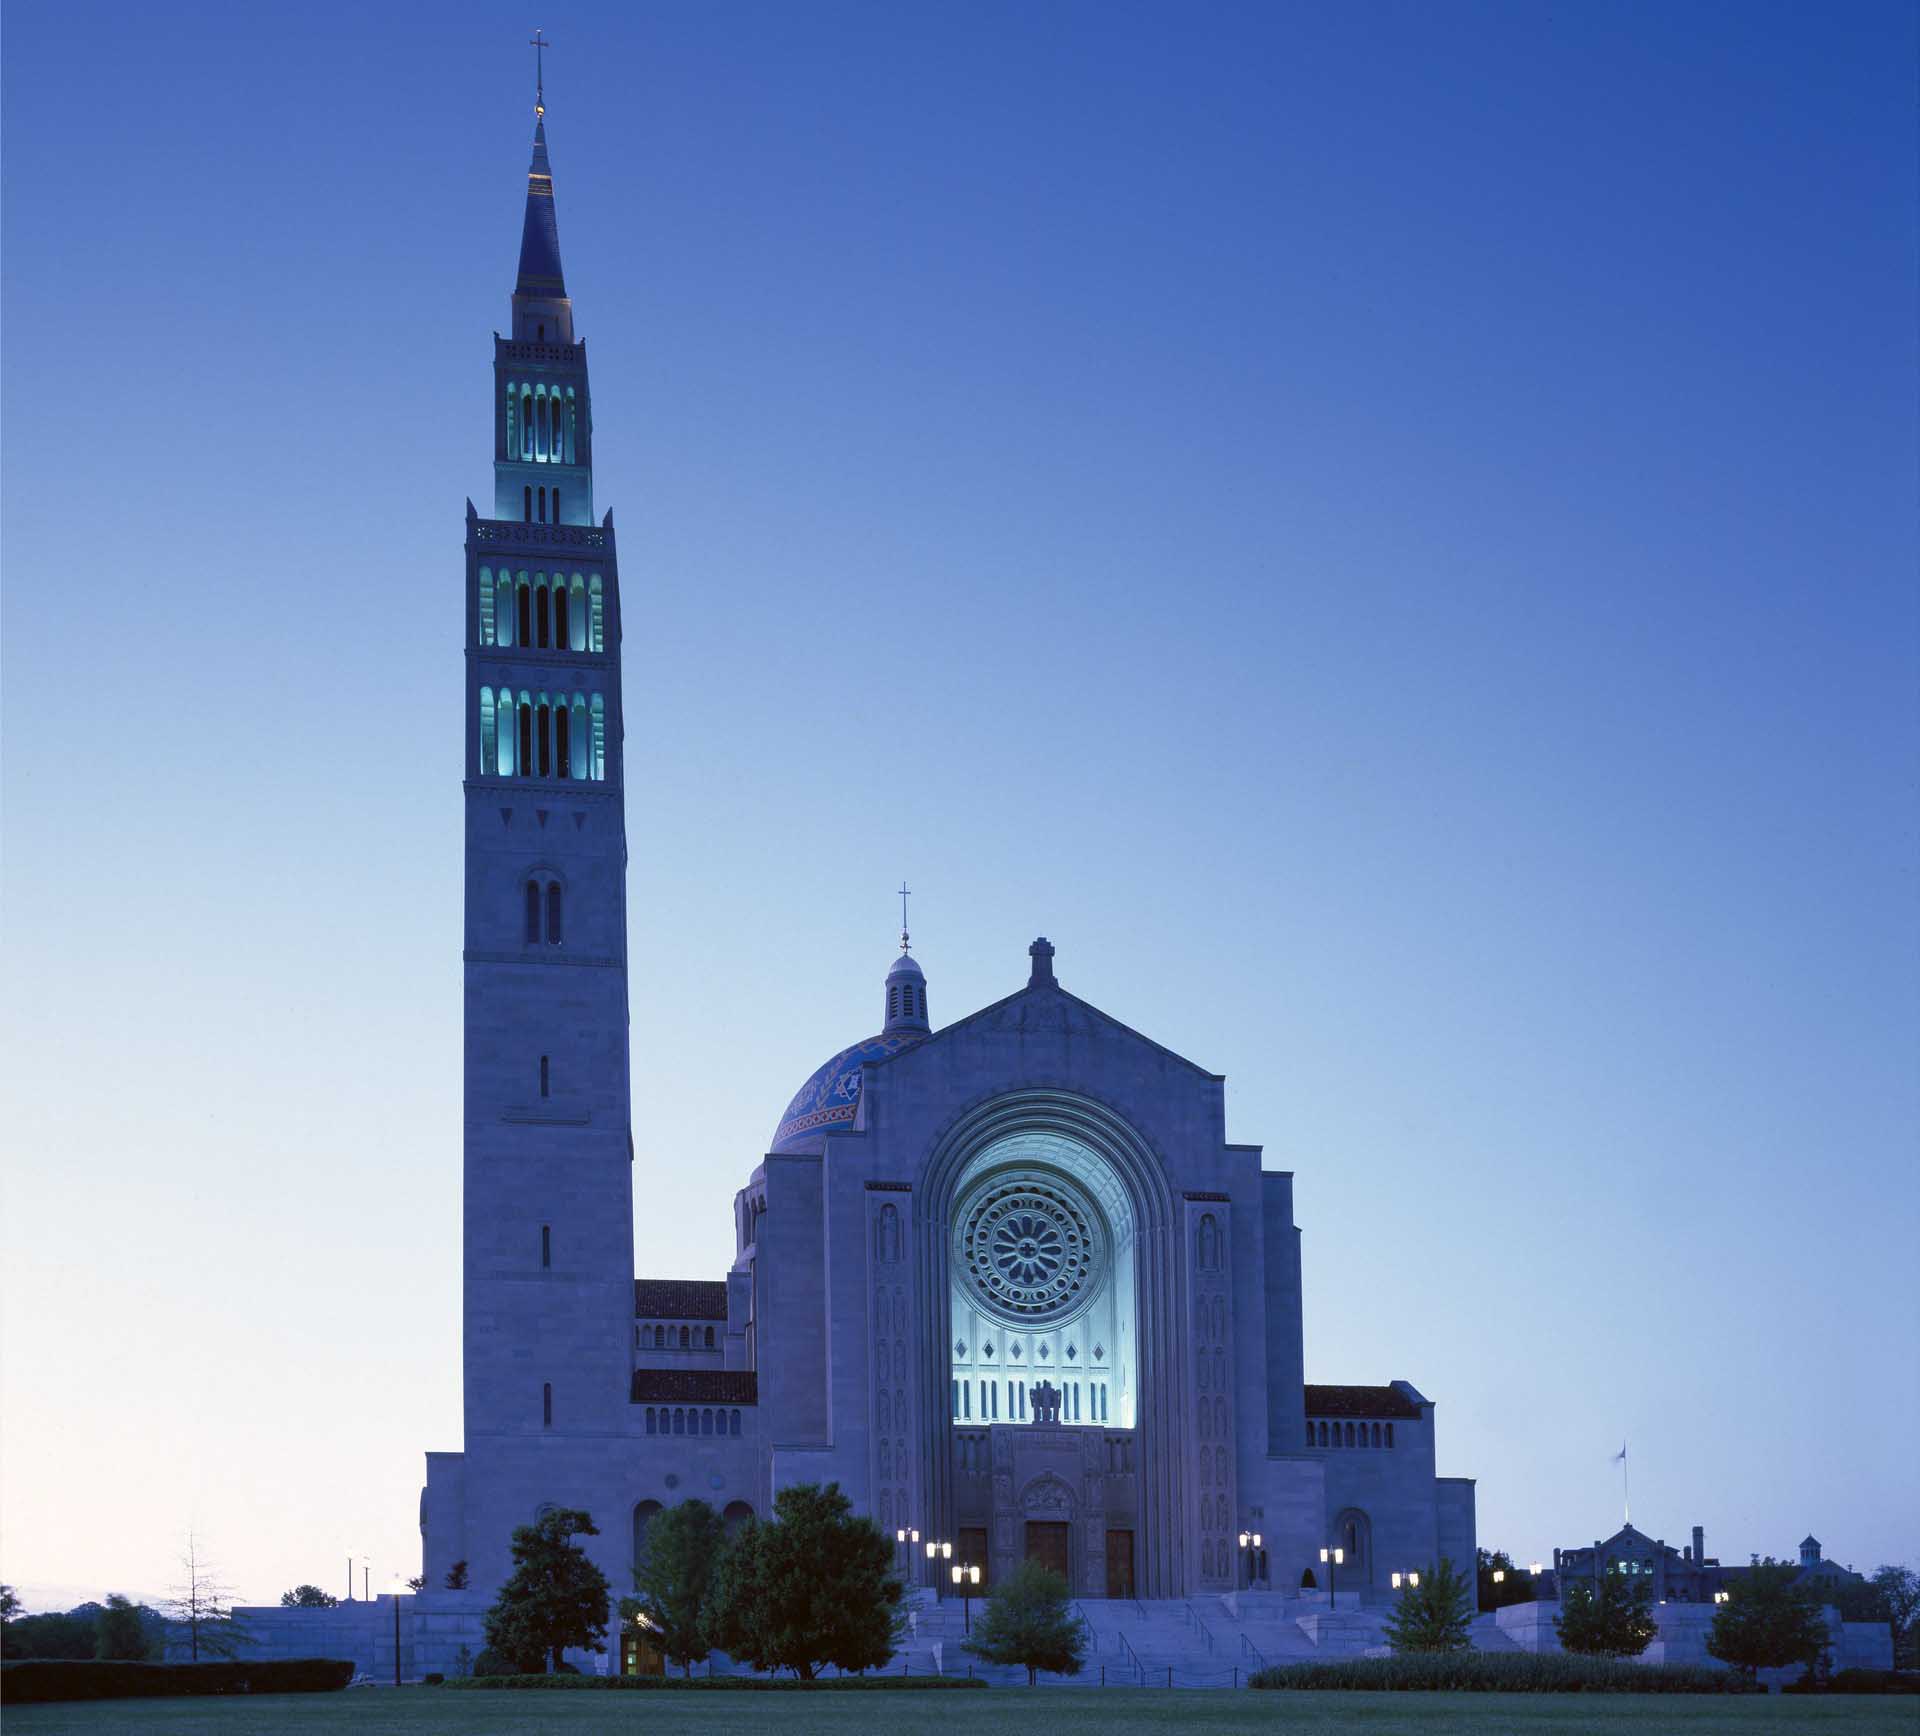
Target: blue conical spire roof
[540,272]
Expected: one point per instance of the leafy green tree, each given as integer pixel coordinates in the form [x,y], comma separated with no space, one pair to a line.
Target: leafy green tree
[1027,1621]
[1512,1587]
[307,1597]
[118,1631]
[10,1605]
[684,1546]
[554,1598]
[813,1586]
[1611,1620]
[1899,1589]
[1434,1616]
[68,1634]
[1767,1621]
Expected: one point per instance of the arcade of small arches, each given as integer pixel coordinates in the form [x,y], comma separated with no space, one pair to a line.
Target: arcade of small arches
[542,735]
[691,1420]
[542,611]
[1324,1434]
[663,1337]
[542,424]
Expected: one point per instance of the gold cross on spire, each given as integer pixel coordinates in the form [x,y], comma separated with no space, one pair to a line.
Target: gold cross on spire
[539,43]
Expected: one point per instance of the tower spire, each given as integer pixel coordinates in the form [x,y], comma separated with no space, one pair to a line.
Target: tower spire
[905,893]
[540,274]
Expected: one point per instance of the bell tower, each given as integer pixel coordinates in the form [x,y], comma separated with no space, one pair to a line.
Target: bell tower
[548,1208]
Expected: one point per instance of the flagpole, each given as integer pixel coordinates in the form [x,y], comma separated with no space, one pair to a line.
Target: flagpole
[1626,1492]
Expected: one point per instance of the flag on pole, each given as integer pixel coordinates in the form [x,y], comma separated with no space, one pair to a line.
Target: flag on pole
[1620,1458]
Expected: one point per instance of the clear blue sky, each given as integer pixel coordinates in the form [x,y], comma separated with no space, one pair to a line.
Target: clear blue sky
[1387,531]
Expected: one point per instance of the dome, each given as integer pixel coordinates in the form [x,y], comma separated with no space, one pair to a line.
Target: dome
[906,965]
[829,1100]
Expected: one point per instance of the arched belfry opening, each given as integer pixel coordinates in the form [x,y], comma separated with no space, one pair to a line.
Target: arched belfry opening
[1045,1258]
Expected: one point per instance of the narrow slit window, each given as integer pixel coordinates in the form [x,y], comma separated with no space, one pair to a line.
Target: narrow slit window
[526,504]
[556,503]
[562,745]
[546,737]
[542,610]
[546,1075]
[553,913]
[533,918]
[546,1247]
[546,1405]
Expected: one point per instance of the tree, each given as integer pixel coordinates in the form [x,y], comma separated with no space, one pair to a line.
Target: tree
[1513,1586]
[1027,1621]
[119,1632]
[417,1583]
[9,1604]
[1613,1620]
[457,1576]
[307,1597]
[203,1605]
[684,1545]
[813,1586]
[1899,1589]
[1767,1622]
[1433,1616]
[555,1597]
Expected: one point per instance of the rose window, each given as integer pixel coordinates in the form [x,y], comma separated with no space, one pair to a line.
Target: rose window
[1030,1247]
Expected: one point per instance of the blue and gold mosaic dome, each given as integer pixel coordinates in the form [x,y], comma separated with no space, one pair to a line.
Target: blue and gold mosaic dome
[829,1100]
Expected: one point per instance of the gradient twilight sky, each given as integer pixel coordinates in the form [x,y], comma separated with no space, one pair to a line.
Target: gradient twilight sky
[1387,531]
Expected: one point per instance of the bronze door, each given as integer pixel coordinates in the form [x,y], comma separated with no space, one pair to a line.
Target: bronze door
[1047,1544]
[1120,1564]
[972,1552]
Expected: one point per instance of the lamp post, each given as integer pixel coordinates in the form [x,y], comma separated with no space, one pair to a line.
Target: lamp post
[937,1552]
[398,1586]
[1249,1552]
[965,1579]
[1331,1560]
[908,1540]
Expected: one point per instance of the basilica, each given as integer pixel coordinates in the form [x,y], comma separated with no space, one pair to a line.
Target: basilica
[1005,1279]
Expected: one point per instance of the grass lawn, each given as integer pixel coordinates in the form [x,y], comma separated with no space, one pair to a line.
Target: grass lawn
[996,1712]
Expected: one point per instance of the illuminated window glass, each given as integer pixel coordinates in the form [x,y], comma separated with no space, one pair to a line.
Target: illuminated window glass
[579,734]
[526,428]
[489,759]
[595,635]
[484,612]
[599,739]
[577,614]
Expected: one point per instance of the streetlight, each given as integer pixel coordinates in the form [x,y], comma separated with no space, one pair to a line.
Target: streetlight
[907,1539]
[1499,1575]
[1721,1597]
[937,1552]
[1331,1560]
[399,1585]
[1249,1548]
[965,1579]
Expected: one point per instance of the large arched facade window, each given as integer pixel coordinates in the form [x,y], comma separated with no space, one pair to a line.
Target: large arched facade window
[1353,1533]
[1041,1281]
[642,1517]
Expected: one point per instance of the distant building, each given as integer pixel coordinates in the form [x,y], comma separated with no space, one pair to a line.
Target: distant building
[1685,1575]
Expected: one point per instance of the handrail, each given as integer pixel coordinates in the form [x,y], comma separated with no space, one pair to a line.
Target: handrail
[1193,1618]
[1133,1658]
[1259,1657]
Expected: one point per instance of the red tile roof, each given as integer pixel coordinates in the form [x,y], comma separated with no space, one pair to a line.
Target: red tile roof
[679,1299]
[696,1386]
[1360,1401]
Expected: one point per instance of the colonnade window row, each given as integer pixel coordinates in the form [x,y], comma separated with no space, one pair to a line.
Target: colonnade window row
[542,611]
[1321,1434]
[1080,1401]
[542,423]
[657,1337]
[688,1420]
[542,735]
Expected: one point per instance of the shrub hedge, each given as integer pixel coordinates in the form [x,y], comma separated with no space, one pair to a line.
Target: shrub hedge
[34,1679]
[1860,1682]
[718,1684]
[1502,1673]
